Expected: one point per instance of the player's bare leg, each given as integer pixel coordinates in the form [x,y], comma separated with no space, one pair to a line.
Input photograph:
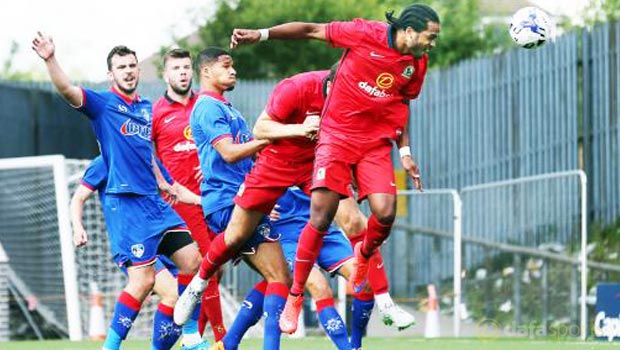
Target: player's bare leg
[241,227]
[187,258]
[383,208]
[141,280]
[269,262]
[323,207]
[353,222]
[165,287]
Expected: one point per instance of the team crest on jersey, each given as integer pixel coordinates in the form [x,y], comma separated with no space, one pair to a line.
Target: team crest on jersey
[408,72]
[145,114]
[130,128]
[264,230]
[187,133]
[137,250]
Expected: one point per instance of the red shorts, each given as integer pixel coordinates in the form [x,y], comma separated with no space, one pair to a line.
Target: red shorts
[269,179]
[194,218]
[336,162]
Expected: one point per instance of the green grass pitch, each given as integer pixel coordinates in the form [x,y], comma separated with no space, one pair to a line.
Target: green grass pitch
[317,343]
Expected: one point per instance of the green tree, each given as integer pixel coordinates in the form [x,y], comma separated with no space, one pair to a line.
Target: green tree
[602,11]
[462,34]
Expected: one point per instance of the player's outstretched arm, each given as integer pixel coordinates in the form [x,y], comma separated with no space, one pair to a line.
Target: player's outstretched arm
[286,31]
[267,128]
[82,193]
[232,152]
[44,46]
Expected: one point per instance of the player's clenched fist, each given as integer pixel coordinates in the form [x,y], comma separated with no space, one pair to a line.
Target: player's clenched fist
[80,238]
[244,36]
[310,126]
[44,46]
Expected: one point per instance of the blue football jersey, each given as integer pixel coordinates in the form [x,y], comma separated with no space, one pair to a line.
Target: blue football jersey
[213,119]
[123,129]
[96,176]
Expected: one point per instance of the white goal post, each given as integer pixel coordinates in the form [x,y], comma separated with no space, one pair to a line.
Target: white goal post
[55,164]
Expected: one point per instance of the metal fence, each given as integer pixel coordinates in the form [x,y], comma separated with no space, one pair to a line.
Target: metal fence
[601,93]
[4,295]
[511,115]
[519,113]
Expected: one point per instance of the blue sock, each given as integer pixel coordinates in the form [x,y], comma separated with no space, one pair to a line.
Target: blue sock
[165,331]
[112,340]
[125,312]
[191,326]
[361,315]
[332,323]
[249,314]
[275,298]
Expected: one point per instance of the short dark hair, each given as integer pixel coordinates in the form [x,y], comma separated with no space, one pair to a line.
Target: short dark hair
[176,53]
[209,56]
[120,50]
[415,16]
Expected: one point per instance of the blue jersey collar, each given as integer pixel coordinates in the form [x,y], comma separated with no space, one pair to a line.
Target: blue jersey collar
[125,98]
[215,95]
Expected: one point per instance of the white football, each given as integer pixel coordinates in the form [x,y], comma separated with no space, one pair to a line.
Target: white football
[530,27]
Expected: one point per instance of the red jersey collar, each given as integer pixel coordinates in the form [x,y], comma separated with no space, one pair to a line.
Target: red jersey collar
[125,97]
[215,95]
[171,101]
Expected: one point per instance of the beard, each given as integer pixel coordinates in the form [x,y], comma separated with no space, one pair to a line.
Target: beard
[181,91]
[125,90]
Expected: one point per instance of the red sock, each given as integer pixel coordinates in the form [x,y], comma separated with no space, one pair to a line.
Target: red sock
[323,303]
[202,318]
[217,256]
[377,277]
[364,295]
[375,235]
[213,308]
[310,243]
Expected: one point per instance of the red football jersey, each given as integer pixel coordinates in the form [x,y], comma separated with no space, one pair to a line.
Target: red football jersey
[291,102]
[173,139]
[372,81]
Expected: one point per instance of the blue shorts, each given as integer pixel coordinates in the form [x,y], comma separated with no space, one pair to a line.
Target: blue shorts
[161,263]
[136,225]
[218,221]
[336,250]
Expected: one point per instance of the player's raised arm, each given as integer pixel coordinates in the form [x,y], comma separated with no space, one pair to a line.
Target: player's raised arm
[44,46]
[82,193]
[286,31]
